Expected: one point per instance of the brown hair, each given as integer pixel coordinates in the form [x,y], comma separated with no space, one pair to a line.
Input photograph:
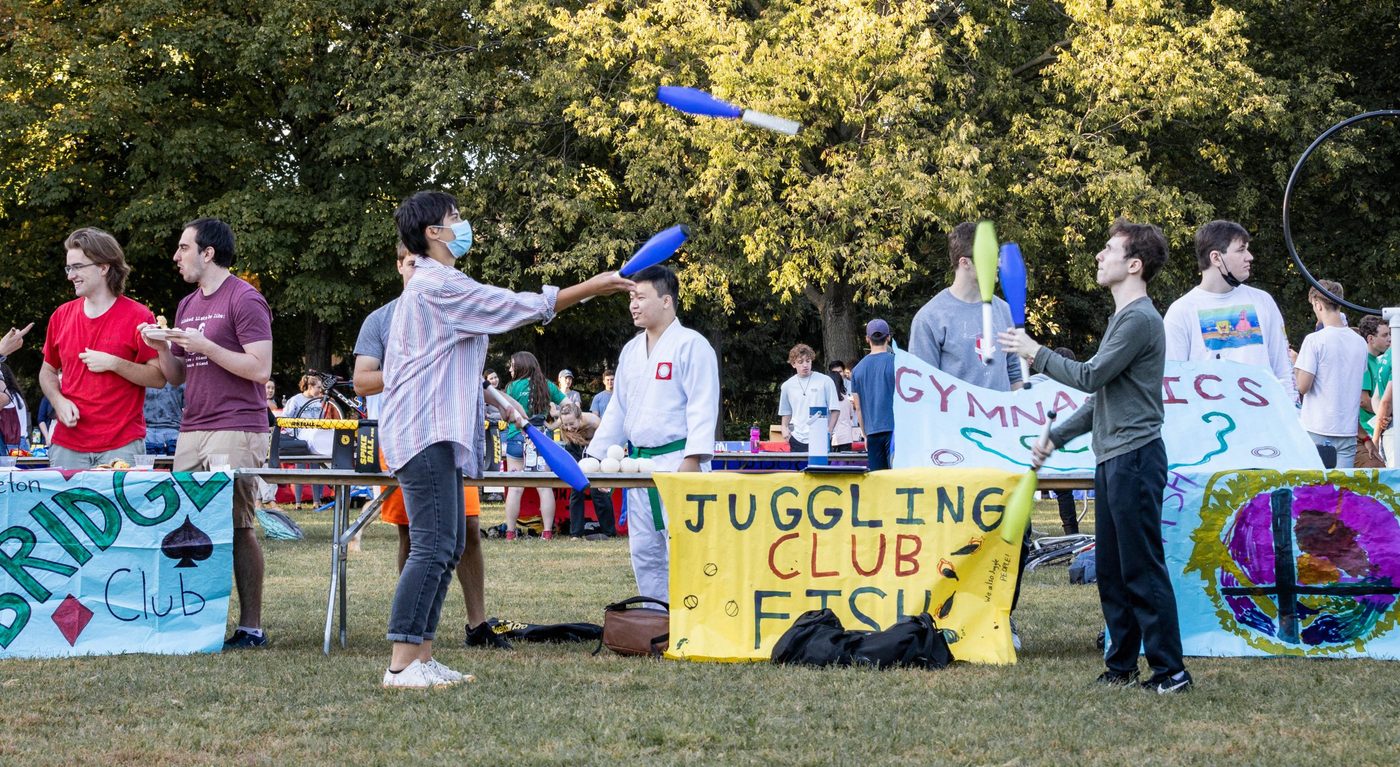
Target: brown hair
[1146,243]
[798,352]
[1331,286]
[1217,236]
[1369,326]
[524,365]
[960,243]
[307,380]
[101,248]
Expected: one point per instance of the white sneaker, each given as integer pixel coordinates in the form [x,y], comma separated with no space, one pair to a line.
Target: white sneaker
[447,674]
[415,676]
[1015,636]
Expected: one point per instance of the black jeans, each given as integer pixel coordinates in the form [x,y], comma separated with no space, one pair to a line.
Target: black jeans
[1134,588]
[602,505]
[1069,513]
[877,451]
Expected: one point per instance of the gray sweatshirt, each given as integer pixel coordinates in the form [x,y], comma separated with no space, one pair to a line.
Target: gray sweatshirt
[1124,379]
[944,334]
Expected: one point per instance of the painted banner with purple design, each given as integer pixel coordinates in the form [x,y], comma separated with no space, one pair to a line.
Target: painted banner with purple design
[1218,415]
[101,562]
[1301,563]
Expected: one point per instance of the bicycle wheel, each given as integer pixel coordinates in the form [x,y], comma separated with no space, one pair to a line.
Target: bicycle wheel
[331,409]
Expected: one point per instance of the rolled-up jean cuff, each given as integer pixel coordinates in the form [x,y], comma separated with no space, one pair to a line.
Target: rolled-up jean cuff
[405,638]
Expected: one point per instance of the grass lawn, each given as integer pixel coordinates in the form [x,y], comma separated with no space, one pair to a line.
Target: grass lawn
[556,704]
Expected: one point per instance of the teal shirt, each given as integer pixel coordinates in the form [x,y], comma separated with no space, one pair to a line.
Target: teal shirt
[1376,378]
[519,390]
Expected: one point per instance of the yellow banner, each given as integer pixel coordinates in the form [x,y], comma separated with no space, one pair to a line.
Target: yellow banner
[752,552]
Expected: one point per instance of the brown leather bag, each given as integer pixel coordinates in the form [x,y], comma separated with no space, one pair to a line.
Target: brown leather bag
[631,627]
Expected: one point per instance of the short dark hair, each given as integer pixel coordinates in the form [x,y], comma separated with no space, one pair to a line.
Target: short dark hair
[836,365]
[663,280]
[1217,235]
[1369,326]
[418,212]
[1331,286]
[960,242]
[213,233]
[1146,243]
[101,248]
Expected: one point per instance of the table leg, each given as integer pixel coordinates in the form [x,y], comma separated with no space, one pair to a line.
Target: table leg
[342,511]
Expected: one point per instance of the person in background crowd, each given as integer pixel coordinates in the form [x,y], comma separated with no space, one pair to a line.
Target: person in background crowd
[802,393]
[566,385]
[842,432]
[164,408]
[221,348]
[537,397]
[578,428]
[1331,363]
[14,414]
[93,341]
[872,391]
[270,388]
[599,405]
[1376,334]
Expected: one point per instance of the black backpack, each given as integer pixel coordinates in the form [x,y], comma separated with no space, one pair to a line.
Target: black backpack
[817,638]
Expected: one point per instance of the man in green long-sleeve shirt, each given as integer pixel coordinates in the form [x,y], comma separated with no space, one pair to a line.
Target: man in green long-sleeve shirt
[1125,415]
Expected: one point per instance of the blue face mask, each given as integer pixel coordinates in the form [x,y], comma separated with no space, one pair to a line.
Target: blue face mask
[461,241]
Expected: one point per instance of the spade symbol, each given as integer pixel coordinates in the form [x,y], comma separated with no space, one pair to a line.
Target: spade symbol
[946,569]
[188,544]
[971,546]
[946,607]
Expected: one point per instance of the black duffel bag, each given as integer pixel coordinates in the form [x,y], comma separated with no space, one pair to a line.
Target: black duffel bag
[817,638]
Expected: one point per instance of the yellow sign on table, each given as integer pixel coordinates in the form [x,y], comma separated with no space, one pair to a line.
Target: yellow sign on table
[752,552]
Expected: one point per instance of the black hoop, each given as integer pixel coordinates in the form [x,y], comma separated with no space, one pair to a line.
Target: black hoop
[1288,194]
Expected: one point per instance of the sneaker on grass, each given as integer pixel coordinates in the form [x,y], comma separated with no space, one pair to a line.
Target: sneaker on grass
[485,636]
[242,640]
[1169,685]
[415,676]
[447,674]
[1113,678]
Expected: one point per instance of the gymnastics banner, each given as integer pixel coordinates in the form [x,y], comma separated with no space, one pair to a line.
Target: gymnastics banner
[751,553]
[1218,416]
[100,562]
[1303,563]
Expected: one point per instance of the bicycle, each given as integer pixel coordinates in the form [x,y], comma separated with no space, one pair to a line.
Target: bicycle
[1057,549]
[335,403]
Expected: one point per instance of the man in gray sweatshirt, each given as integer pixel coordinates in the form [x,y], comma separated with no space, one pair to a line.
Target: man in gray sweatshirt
[1125,415]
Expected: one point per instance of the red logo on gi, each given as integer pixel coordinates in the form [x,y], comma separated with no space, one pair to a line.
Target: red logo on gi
[663,371]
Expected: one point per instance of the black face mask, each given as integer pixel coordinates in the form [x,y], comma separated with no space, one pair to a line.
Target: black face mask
[1230,279]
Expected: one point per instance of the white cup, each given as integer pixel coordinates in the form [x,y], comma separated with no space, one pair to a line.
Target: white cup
[8,462]
[144,461]
[219,462]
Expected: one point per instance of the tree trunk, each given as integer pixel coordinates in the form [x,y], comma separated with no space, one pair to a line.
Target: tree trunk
[840,334]
[318,345]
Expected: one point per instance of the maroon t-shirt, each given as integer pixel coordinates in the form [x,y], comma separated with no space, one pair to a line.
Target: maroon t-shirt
[234,316]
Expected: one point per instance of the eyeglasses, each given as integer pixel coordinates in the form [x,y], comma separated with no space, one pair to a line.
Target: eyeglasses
[69,269]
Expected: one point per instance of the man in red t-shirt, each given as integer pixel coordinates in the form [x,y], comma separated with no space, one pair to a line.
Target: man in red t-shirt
[94,344]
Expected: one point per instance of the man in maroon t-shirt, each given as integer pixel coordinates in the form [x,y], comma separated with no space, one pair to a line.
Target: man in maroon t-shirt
[94,342]
[220,347]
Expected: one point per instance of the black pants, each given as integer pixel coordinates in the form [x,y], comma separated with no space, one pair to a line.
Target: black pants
[877,451]
[602,505]
[1134,588]
[1069,514]
[795,446]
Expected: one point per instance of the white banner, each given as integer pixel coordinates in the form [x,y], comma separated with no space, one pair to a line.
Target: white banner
[1220,416]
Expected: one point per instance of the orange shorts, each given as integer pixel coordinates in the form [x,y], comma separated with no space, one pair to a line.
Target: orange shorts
[392,510]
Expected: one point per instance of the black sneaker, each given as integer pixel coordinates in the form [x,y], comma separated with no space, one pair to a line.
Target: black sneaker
[1113,678]
[242,640]
[1176,683]
[484,636]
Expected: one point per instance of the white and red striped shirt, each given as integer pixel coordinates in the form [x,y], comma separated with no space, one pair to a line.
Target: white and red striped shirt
[434,360]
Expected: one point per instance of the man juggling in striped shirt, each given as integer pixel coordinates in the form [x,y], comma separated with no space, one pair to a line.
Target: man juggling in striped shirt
[430,426]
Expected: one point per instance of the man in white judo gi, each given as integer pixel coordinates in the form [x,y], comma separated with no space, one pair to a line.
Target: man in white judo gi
[665,407]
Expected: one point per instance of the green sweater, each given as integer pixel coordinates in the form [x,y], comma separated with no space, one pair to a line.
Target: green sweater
[1124,379]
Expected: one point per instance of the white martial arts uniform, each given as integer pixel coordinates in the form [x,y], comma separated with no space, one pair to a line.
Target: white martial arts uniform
[660,398]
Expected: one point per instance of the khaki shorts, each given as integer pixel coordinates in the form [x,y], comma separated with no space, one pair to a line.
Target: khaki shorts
[245,450]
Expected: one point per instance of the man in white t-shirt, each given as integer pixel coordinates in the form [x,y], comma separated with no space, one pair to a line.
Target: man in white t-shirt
[1330,366]
[1222,318]
[800,394]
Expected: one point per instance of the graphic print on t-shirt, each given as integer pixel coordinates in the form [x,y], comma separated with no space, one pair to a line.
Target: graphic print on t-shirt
[1230,327]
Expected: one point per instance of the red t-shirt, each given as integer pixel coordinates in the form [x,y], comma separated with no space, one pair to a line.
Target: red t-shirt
[233,316]
[109,406]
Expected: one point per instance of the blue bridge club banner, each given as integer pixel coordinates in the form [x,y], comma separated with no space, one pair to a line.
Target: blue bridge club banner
[102,562]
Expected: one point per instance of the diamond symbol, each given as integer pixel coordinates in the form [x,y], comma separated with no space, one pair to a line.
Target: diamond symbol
[71,617]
